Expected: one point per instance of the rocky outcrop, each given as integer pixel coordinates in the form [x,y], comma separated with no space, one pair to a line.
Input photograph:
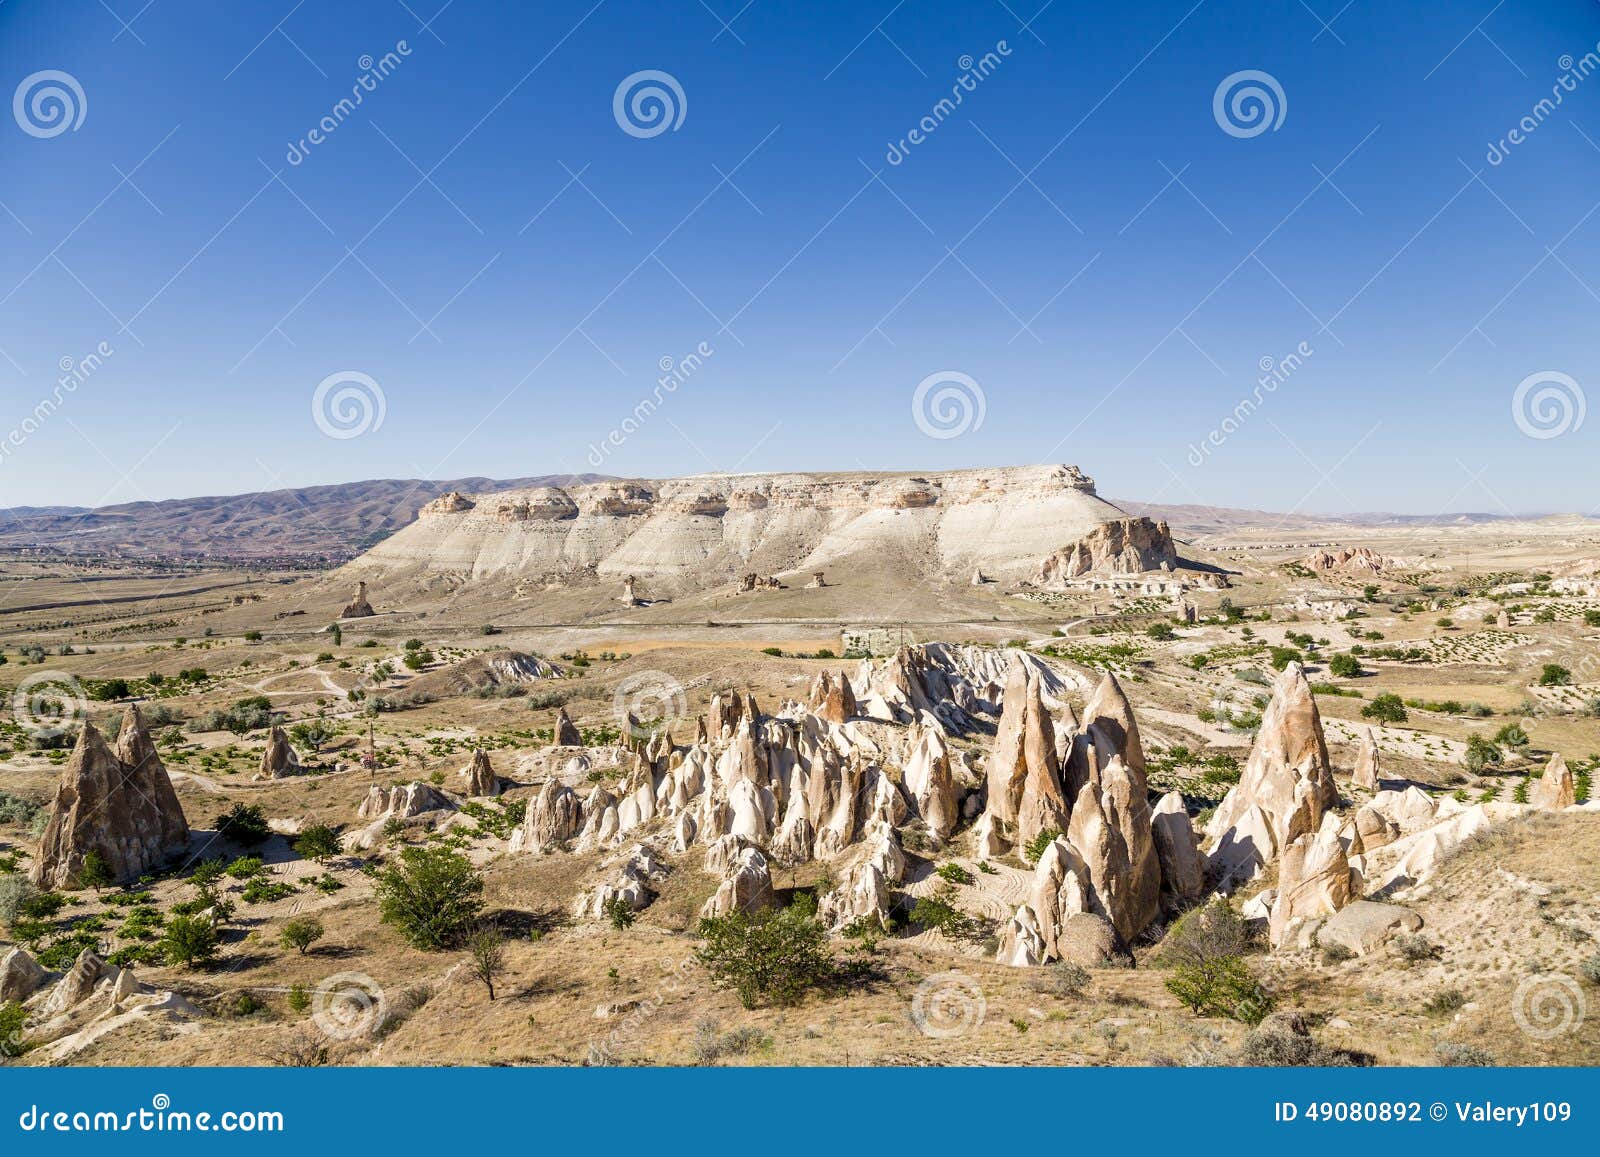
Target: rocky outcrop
[1286,787]
[832,697]
[631,883]
[1111,829]
[78,984]
[278,761]
[1313,881]
[1365,775]
[120,806]
[1116,546]
[359,607]
[1024,778]
[747,887]
[1111,732]
[480,776]
[1556,788]
[930,781]
[403,802]
[1353,560]
[566,731]
[1183,865]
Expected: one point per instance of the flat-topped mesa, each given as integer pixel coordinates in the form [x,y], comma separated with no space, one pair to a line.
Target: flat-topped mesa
[707,530]
[118,805]
[1286,788]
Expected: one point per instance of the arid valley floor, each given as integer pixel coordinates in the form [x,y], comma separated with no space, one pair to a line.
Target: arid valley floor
[1467,647]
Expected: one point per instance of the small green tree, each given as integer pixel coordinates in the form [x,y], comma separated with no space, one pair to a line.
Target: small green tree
[488,953]
[301,933]
[94,872]
[619,912]
[432,896]
[244,824]
[1386,708]
[189,940]
[1220,986]
[766,956]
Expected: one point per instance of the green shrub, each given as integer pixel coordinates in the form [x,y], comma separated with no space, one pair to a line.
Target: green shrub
[766,957]
[261,890]
[1554,675]
[1210,932]
[431,895]
[189,940]
[619,912]
[299,999]
[13,1023]
[956,874]
[1220,986]
[1591,969]
[1453,1055]
[1344,666]
[1446,1000]
[243,824]
[317,842]
[1036,846]
[245,868]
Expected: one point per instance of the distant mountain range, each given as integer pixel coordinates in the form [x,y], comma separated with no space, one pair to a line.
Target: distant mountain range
[323,525]
[312,525]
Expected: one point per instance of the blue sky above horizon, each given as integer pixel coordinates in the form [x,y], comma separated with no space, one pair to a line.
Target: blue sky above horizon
[1080,238]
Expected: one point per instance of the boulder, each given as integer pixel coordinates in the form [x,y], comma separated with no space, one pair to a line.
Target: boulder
[1364,925]
[403,802]
[126,812]
[20,975]
[78,984]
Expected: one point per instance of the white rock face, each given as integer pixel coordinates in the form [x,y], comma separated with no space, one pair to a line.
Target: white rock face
[746,888]
[405,801]
[630,882]
[554,817]
[1556,788]
[1365,775]
[1364,925]
[1183,864]
[1286,787]
[1313,881]
[703,531]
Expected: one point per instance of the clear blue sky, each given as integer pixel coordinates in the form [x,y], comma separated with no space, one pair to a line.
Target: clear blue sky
[1113,307]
